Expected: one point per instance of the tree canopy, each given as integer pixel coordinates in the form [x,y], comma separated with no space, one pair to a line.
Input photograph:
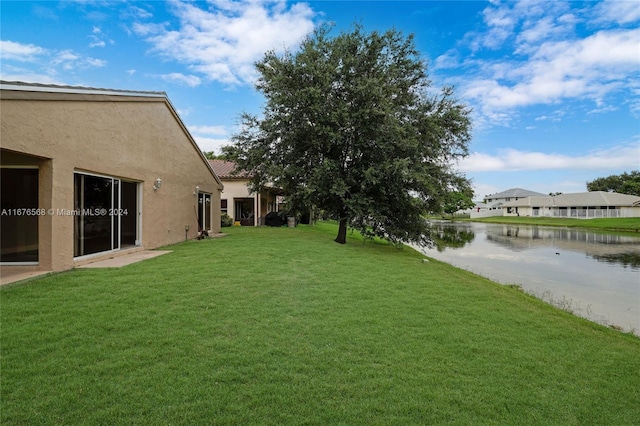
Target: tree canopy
[626,183]
[350,127]
[455,201]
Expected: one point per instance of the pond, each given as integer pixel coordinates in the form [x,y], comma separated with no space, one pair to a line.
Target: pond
[594,275]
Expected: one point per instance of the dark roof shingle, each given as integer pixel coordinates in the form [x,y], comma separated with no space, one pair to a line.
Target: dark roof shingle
[224,169]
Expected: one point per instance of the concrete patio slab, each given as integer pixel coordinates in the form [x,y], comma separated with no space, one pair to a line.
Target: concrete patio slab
[120,261]
[8,277]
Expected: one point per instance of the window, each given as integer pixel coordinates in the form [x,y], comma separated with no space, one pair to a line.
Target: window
[204,211]
[223,206]
[19,220]
[105,214]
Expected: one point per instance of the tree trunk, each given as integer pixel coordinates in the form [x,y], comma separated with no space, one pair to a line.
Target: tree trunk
[342,232]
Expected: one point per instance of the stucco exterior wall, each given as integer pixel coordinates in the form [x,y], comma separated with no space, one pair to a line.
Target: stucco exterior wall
[132,138]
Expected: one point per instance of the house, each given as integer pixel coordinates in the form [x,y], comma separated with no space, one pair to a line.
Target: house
[492,204]
[583,205]
[89,174]
[238,201]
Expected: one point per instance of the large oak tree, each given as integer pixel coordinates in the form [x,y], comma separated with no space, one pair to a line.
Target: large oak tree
[350,128]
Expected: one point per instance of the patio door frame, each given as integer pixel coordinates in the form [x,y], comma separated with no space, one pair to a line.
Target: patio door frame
[114,210]
[204,211]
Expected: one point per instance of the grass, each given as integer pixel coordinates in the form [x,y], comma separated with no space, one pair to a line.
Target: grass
[284,326]
[631,224]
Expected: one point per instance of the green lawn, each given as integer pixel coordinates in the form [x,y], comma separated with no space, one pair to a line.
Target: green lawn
[284,326]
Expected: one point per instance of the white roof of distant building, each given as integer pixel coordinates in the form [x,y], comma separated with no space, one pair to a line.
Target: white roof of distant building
[513,193]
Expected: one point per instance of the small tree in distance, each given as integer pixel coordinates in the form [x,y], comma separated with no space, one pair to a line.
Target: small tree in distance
[456,201]
[350,128]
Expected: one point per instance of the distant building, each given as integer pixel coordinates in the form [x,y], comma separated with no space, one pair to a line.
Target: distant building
[492,204]
[238,201]
[582,205]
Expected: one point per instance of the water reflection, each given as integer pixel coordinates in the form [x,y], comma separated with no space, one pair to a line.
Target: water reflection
[609,248]
[451,236]
[627,259]
[597,272]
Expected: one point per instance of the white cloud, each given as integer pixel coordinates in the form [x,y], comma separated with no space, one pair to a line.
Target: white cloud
[28,76]
[480,190]
[591,67]
[208,130]
[69,60]
[138,12]
[45,65]
[621,12]
[184,112]
[98,38]
[95,63]
[207,143]
[619,157]
[604,109]
[501,25]
[211,144]
[546,57]
[451,59]
[224,42]
[10,50]
[187,80]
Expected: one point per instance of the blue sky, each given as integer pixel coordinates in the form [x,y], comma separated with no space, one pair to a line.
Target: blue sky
[554,86]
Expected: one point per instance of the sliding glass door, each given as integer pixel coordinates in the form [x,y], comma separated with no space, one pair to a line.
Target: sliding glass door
[204,211]
[129,235]
[106,214]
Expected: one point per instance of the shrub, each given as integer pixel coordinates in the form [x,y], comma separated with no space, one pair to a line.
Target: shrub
[226,220]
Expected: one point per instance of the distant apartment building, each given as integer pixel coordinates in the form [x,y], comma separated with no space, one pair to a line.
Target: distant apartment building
[581,205]
[492,204]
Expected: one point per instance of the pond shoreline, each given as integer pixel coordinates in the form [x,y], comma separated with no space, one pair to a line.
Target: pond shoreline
[626,225]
